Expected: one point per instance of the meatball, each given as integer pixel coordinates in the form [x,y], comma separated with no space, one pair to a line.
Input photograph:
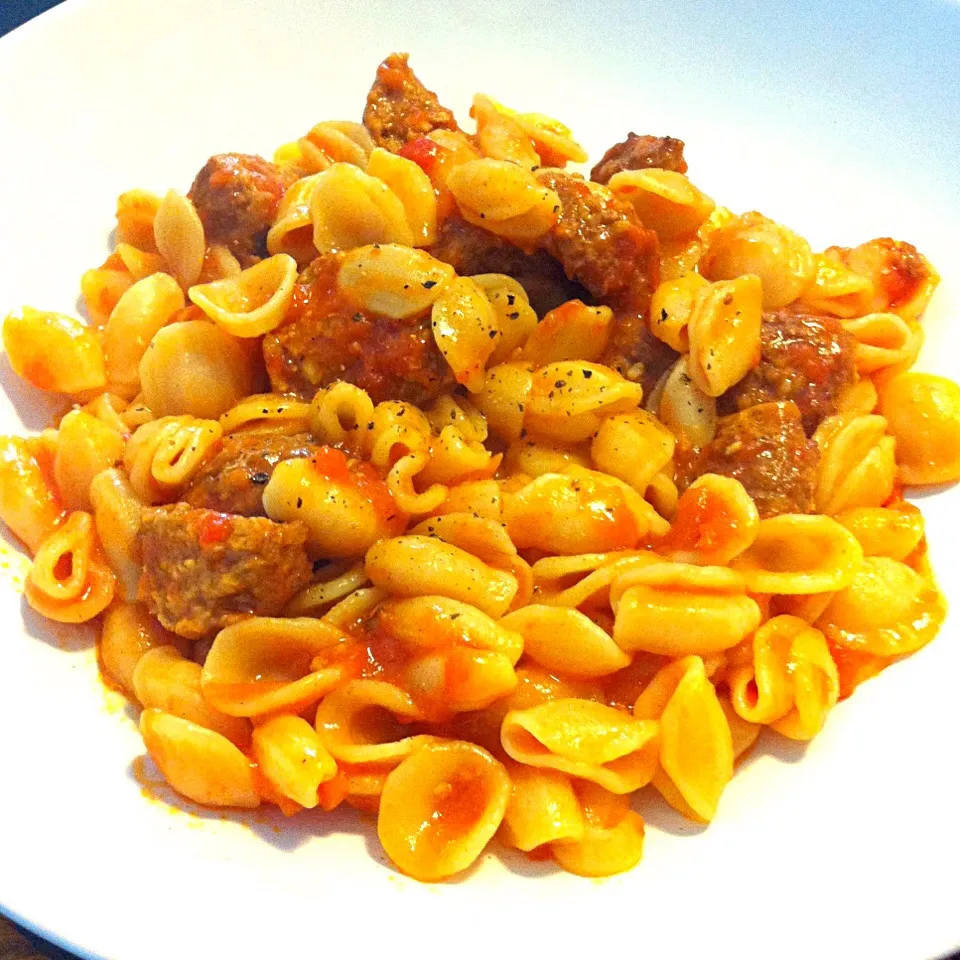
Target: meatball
[639,153]
[204,570]
[600,243]
[233,480]
[766,449]
[806,359]
[237,197]
[326,339]
[471,250]
[400,108]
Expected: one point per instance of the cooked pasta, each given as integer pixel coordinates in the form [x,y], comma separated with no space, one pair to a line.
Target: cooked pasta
[415,472]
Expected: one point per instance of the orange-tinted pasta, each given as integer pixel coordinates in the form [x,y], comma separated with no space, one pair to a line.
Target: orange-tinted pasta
[370,507]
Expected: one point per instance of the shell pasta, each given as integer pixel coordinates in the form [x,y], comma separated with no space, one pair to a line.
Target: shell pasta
[414,472]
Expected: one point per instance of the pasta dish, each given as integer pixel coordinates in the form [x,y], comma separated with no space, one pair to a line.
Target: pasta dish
[414,471]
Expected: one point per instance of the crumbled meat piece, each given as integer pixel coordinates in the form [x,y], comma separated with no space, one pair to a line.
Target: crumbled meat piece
[472,250]
[806,359]
[237,196]
[204,570]
[765,448]
[325,339]
[636,353]
[639,153]
[400,108]
[600,243]
[233,480]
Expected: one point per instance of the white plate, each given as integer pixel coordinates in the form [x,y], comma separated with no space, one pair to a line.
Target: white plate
[838,119]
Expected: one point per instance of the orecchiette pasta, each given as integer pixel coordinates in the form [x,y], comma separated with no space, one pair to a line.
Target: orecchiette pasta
[696,748]
[264,664]
[350,208]
[789,682]
[450,798]
[799,554]
[584,739]
[666,201]
[613,835]
[252,302]
[163,678]
[677,609]
[85,447]
[504,198]
[724,334]
[292,757]
[392,279]
[163,455]
[28,505]
[888,609]
[69,581]
[194,367]
[753,244]
[178,233]
[562,488]
[54,352]
[201,764]
[923,415]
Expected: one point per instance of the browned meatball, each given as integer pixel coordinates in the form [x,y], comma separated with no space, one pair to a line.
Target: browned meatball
[806,359]
[400,108]
[639,153]
[237,196]
[471,250]
[233,480]
[325,339]
[766,449]
[204,570]
[600,243]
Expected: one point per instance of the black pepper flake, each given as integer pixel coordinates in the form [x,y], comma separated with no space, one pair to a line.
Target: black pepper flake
[523,432]
[511,299]
[492,334]
[515,315]
[560,384]
[265,411]
[663,316]
[406,286]
[260,478]
[299,502]
[587,374]
[370,425]
[429,284]
[455,616]
[357,317]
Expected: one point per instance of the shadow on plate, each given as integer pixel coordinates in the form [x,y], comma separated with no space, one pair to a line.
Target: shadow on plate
[70,637]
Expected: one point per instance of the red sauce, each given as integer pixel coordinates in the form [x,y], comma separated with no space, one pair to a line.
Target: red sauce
[703,523]
[333,465]
[854,666]
[214,528]
[613,525]
[458,803]
[423,152]
[332,793]
[621,689]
